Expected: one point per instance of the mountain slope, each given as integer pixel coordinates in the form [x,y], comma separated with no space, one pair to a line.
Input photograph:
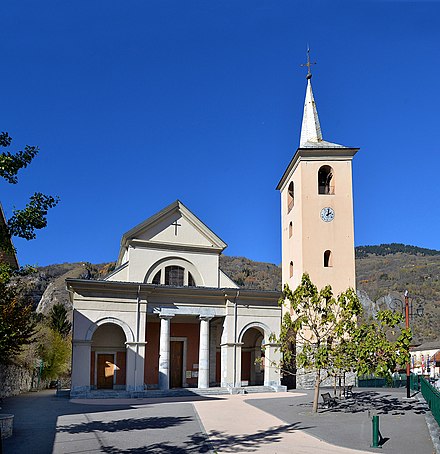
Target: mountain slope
[383,273]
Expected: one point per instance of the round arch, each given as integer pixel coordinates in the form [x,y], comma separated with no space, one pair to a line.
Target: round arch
[112,320]
[257,325]
[173,261]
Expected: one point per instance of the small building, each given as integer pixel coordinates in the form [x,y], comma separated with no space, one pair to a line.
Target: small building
[168,317]
[425,359]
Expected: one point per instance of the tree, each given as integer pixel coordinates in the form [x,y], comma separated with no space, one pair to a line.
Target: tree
[329,338]
[319,322]
[17,324]
[373,346]
[54,350]
[16,321]
[58,320]
[26,221]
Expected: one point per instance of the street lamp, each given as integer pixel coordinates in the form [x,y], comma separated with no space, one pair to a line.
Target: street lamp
[409,314]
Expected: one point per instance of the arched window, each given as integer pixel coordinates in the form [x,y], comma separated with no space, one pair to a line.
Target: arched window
[291,269]
[290,229]
[290,197]
[174,271]
[174,275]
[156,278]
[327,259]
[326,184]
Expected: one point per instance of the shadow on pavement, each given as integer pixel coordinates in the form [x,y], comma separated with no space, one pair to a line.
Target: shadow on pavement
[36,416]
[125,424]
[378,402]
[218,441]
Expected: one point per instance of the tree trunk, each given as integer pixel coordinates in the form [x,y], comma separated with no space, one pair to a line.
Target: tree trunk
[316,396]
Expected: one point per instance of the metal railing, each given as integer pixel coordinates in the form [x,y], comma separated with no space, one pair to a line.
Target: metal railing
[432,397]
[414,382]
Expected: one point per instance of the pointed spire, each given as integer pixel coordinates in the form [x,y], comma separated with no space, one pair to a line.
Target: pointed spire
[311,135]
[311,129]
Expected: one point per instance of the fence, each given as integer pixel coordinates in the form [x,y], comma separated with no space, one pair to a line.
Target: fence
[432,397]
[371,381]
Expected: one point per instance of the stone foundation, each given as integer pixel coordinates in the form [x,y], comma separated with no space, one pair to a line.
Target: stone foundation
[307,380]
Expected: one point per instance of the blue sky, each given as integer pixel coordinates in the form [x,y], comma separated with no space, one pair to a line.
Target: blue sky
[135,104]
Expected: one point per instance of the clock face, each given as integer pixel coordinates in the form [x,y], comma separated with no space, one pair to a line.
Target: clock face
[327,214]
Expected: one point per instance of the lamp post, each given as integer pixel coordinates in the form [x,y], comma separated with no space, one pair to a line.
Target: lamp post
[408,365]
[408,314]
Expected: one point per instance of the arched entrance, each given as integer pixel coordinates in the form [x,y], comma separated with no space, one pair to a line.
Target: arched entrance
[108,357]
[252,357]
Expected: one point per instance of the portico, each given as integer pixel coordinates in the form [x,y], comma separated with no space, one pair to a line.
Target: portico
[181,323]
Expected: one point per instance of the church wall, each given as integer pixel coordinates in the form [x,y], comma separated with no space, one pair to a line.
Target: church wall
[191,331]
[337,235]
[165,232]
[151,372]
[292,245]
[142,259]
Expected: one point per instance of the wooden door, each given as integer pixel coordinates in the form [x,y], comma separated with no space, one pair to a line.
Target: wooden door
[176,364]
[105,371]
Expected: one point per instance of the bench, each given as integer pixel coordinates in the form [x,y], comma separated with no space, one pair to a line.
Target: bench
[348,391]
[329,401]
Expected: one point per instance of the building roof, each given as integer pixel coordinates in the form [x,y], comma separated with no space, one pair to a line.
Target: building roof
[311,144]
[177,207]
[434,345]
[311,134]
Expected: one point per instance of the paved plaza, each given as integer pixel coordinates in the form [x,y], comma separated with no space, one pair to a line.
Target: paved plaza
[271,423]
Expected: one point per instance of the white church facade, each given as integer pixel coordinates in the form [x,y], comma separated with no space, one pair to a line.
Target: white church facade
[168,317]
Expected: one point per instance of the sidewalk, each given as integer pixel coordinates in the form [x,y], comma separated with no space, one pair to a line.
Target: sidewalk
[265,423]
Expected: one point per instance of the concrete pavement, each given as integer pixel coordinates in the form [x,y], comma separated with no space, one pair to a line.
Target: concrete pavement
[262,423]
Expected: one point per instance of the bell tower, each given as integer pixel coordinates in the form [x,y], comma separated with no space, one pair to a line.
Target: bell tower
[317,207]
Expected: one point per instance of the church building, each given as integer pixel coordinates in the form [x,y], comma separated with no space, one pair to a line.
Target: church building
[317,218]
[168,317]
[317,208]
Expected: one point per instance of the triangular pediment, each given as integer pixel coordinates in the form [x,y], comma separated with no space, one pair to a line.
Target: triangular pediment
[175,228]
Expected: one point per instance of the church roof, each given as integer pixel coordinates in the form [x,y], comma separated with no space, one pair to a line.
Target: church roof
[311,134]
[212,241]
[311,144]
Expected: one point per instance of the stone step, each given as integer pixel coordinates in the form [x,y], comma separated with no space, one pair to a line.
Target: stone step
[258,389]
[180,392]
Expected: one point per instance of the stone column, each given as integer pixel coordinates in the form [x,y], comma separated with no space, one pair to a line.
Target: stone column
[212,353]
[204,352]
[271,360]
[136,355]
[164,351]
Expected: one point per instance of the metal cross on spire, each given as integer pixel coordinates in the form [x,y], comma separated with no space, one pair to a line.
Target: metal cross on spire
[308,64]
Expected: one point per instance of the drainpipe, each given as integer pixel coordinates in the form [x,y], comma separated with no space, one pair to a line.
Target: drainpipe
[235,338]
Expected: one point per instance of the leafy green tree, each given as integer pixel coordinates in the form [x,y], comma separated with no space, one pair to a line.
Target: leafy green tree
[16,321]
[319,321]
[17,324]
[58,320]
[23,223]
[329,340]
[382,345]
[55,352]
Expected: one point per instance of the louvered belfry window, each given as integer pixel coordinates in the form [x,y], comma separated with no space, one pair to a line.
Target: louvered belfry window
[174,275]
